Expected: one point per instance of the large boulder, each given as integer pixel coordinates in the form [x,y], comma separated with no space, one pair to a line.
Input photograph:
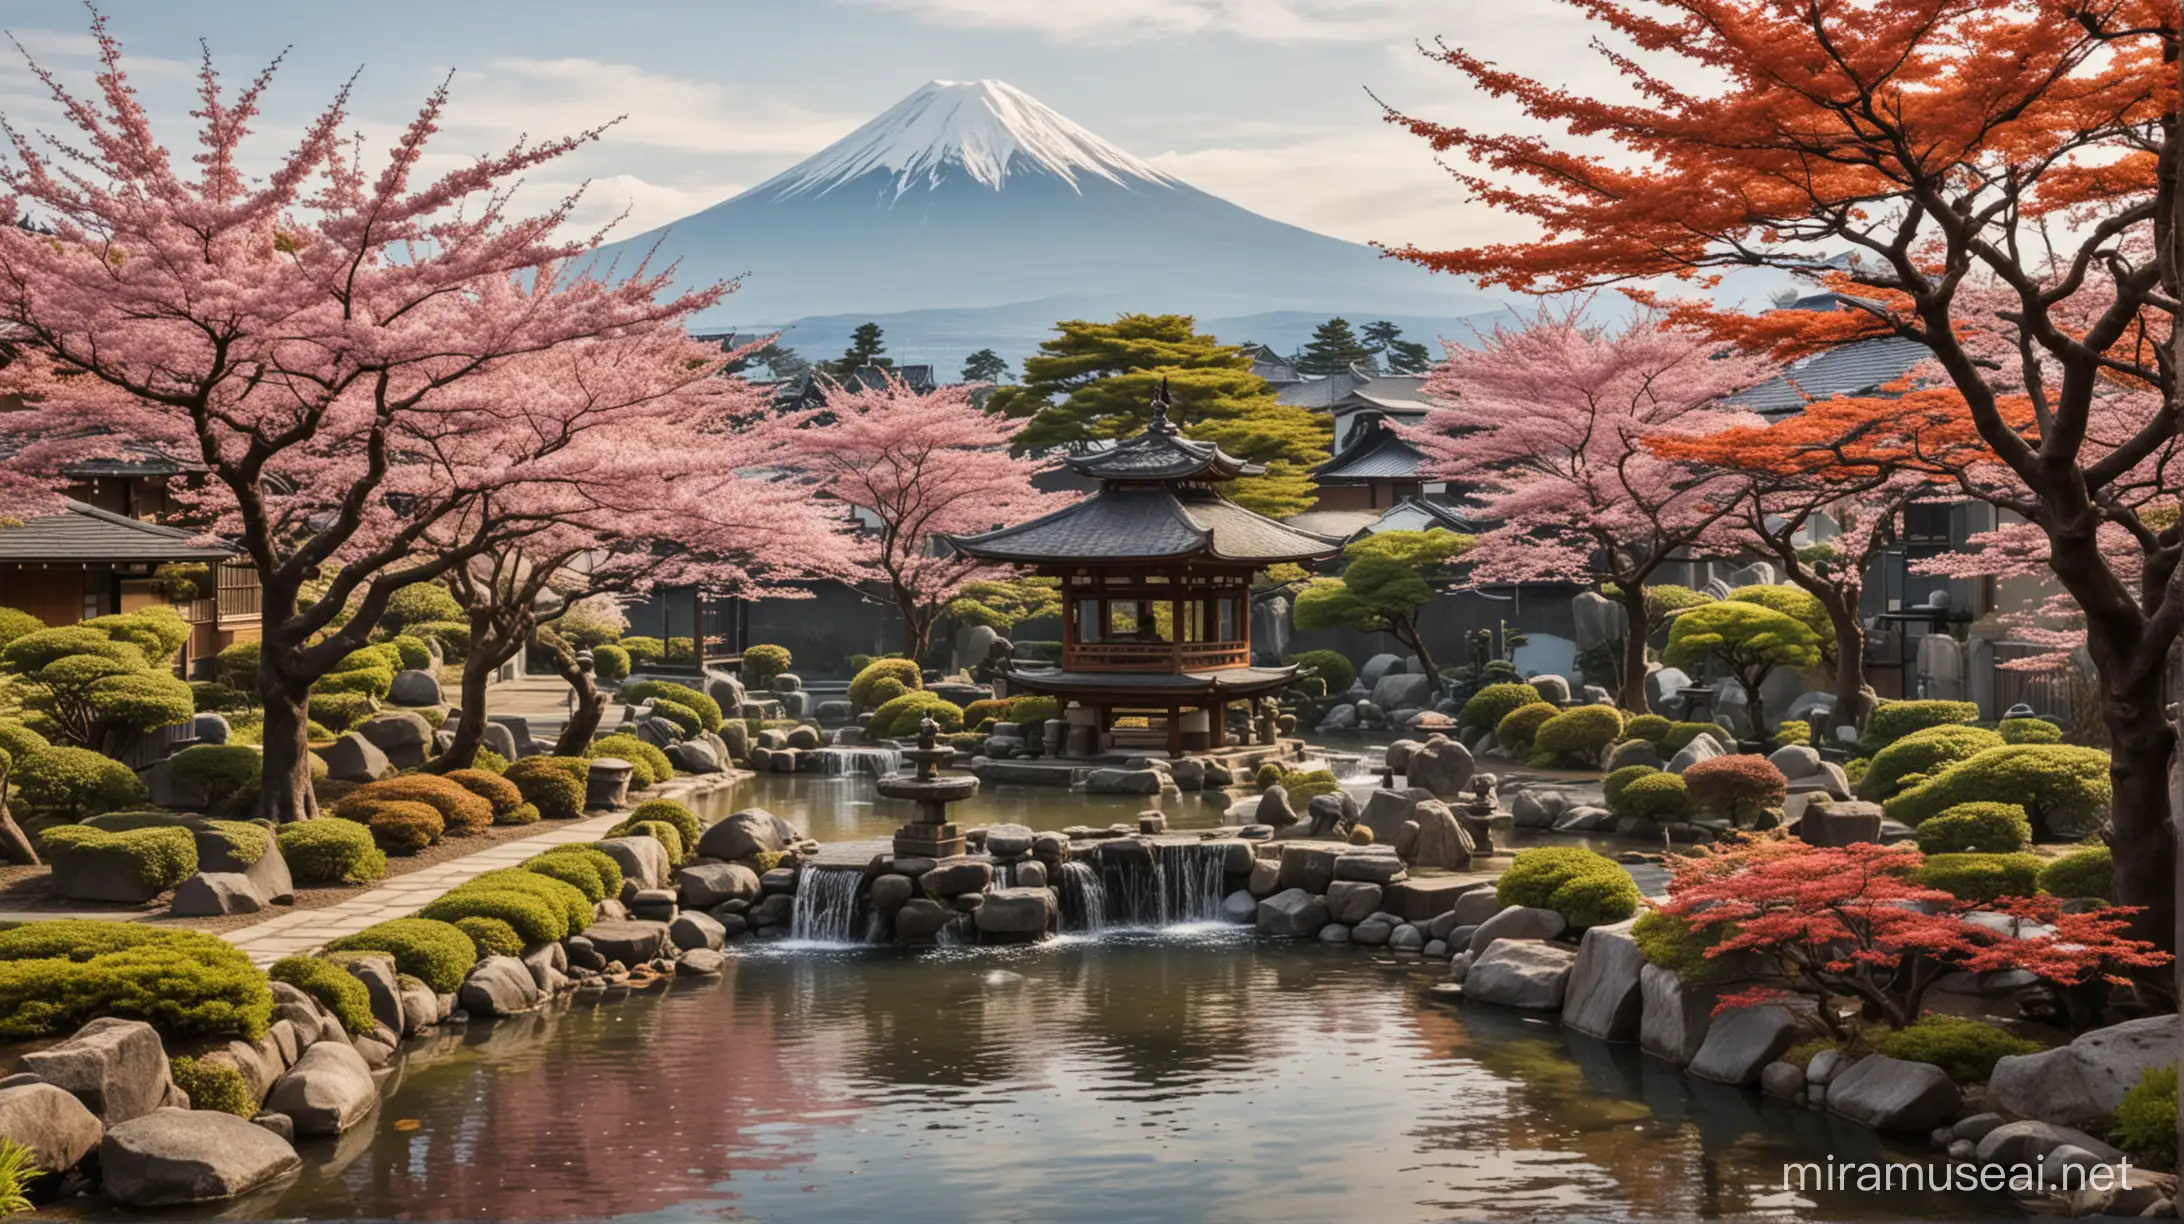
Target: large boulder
[1309,867]
[329,1090]
[920,919]
[1379,665]
[1674,1016]
[1009,840]
[505,986]
[1552,689]
[117,1068]
[1127,782]
[747,833]
[1440,840]
[695,757]
[1350,902]
[696,930]
[705,885]
[1894,1094]
[1517,922]
[954,877]
[404,736]
[1440,765]
[382,985]
[631,941]
[352,758]
[1741,1042]
[1703,747]
[1292,912]
[51,1122]
[217,894]
[643,860]
[2085,1080]
[414,688]
[2028,1142]
[1662,685]
[1016,914]
[1273,810]
[1603,999]
[175,1156]
[1386,811]
[1398,690]
[1528,973]
[500,739]
[1629,753]
[1836,823]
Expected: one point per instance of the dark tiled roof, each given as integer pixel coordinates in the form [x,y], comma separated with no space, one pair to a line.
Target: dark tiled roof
[1239,680]
[1383,457]
[1320,392]
[1148,523]
[1861,367]
[88,534]
[1162,455]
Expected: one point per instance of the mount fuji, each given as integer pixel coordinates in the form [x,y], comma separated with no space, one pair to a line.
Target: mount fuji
[972,196]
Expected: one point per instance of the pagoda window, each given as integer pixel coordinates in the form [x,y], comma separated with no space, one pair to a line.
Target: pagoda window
[1088,620]
[1226,628]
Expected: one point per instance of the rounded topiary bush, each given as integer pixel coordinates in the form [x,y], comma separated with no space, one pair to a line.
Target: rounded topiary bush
[1536,876]
[419,602]
[660,831]
[685,821]
[1578,735]
[498,792]
[2146,1117]
[338,712]
[1982,828]
[549,786]
[437,953]
[1034,709]
[327,851]
[899,719]
[1488,706]
[19,741]
[461,812]
[904,672]
[1966,1050]
[1598,899]
[1679,735]
[35,650]
[705,709]
[1792,731]
[220,770]
[1520,725]
[72,783]
[1659,796]
[610,663]
[217,1086]
[1331,666]
[156,857]
[1305,785]
[2063,788]
[1922,754]
[1611,787]
[336,989]
[453,636]
[2087,872]
[595,864]
[491,936]
[372,682]
[541,909]
[762,663]
[2029,731]
[685,719]
[1981,878]
[1649,727]
[411,652]
[1735,788]
[1670,942]
[648,765]
[58,974]
[1269,773]
[402,827]
[1892,720]
[977,714]
[14,623]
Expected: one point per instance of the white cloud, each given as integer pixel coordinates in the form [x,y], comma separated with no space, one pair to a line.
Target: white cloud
[1287,21]
[560,96]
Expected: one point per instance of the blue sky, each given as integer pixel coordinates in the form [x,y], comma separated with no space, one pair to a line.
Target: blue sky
[1260,101]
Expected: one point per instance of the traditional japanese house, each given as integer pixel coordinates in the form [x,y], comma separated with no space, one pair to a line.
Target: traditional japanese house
[1156,568]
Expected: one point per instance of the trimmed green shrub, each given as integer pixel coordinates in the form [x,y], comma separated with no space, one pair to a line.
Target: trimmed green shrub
[1736,788]
[336,989]
[237,667]
[36,650]
[488,761]
[220,770]
[437,953]
[410,652]
[1331,666]
[1979,828]
[372,682]
[14,623]
[1660,797]
[540,909]
[1518,726]
[658,830]
[1535,875]
[213,697]
[1792,601]
[576,872]
[547,784]
[1672,943]
[247,840]
[216,1086]
[904,671]
[1855,768]
[498,792]
[1922,754]
[331,852]
[19,741]
[338,712]
[158,858]
[2029,731]
[1980,878]
[72,783]
[2063,788]
[453,636]
[1488,706]
[706,709]
[420,601]
[383,656]
[19,1171]
[1966,1050]
[1679,736]
[2146,1117]
[1304,786]
[686,822]
[762,663]
[604,866]
[1268,774]
[1650,727]
[2087,872]
[610,663]
[1892,720]
[58,974]
[887,688]
[1596,900]
[644,651]
[1792,731]
[1579,734]
[685,719]
[1611,787]
[461,812]
[1034,709]
[977,714]
[403,827]
[491,936]
[899,719]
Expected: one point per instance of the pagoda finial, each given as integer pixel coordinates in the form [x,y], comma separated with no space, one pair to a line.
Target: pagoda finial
[1159,424]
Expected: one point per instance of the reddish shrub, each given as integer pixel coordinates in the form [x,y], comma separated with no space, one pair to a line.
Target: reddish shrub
[1735,788]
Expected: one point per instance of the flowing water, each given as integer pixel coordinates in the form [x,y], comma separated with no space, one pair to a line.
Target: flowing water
[1130,1078]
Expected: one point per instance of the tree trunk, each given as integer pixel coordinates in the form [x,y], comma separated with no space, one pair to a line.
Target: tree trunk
[917,627]
[284,788]
[2144,842]
[1631,695]
[478,666]
[1757,707]
[15,845]
[591,706]
[1850,697]
[1407,632]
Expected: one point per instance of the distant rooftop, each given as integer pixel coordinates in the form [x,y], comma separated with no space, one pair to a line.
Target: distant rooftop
[86,534]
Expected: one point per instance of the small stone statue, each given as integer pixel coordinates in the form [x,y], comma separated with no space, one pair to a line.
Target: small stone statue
[928,737]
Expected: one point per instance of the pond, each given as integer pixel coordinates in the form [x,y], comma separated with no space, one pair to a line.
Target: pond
[1192,1074]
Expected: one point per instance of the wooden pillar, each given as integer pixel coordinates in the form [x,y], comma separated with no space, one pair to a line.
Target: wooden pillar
[1175,731]
[1217,715]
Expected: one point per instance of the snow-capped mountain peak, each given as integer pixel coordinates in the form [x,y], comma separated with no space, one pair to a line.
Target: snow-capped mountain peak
[984,130]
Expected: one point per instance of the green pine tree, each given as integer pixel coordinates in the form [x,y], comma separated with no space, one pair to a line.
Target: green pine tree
[985,366]
[1333,348]
[865,349]
[1094,381]
[1385,341]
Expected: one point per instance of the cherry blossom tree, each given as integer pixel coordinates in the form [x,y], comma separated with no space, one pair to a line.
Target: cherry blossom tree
[1551,427]
[919,468]
[324,342]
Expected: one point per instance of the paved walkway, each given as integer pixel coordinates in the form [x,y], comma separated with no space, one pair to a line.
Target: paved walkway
[300,931]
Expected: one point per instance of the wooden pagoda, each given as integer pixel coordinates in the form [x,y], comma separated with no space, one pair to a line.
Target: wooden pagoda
[1156,569]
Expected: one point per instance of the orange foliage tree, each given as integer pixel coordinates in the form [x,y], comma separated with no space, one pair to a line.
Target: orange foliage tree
[1948,146]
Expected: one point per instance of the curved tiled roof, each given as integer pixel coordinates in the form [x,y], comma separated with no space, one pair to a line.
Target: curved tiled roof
[89,535]
[1233,681]
[1162,455]
[1387,457]
[1156,523]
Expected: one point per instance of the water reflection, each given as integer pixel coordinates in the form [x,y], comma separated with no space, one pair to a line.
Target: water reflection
[1130,1078]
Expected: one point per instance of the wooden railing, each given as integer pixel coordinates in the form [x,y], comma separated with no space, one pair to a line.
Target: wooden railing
[1155,656]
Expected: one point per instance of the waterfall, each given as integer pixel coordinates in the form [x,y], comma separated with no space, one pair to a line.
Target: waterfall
[1084,900]
[1346,765]
[841,762]
[1182,884]
[826,905]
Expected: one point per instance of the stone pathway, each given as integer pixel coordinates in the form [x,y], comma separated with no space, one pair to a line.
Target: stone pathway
[300,931]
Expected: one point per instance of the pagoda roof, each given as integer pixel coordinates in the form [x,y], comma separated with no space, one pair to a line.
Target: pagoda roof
[1162,454]
[1149,523]
[85,534]
[1228,681]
